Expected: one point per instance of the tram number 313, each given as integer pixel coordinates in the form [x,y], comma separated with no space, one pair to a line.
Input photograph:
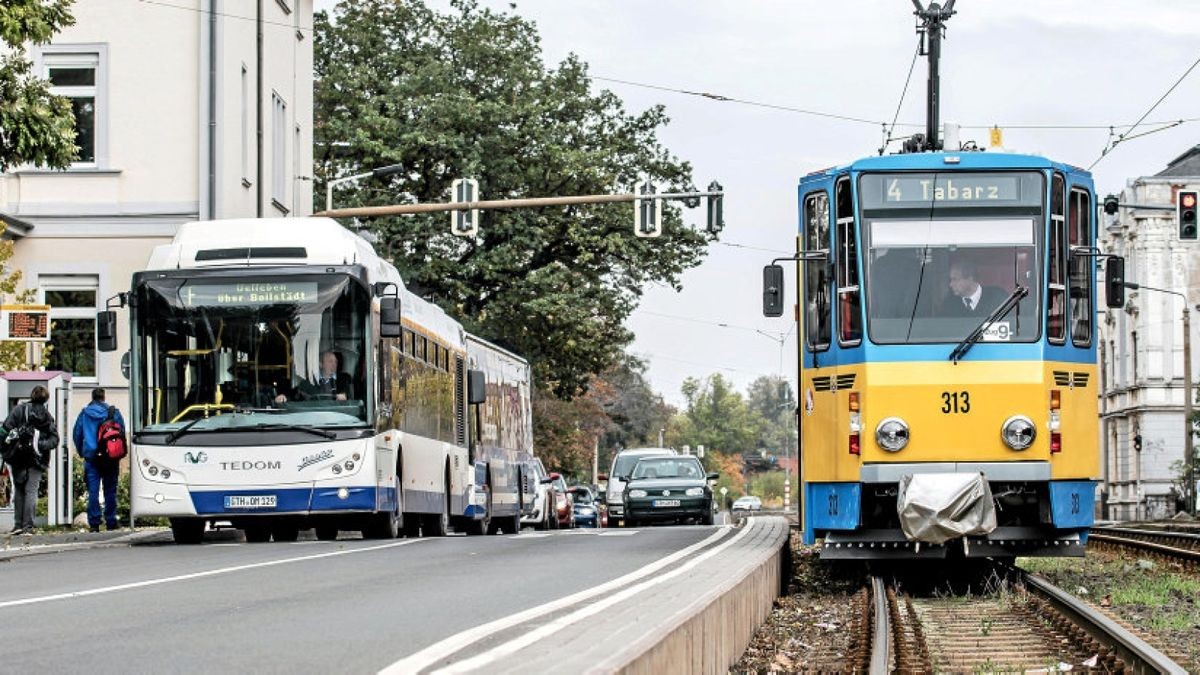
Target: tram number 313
[956,402]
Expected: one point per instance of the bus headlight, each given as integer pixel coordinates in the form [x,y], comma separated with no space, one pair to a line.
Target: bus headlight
[1018,432]
[892,434]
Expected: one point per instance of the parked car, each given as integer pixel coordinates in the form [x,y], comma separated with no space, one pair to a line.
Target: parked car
[542,517]
[563,511]
[668,489]
[747,503]
[586,506]
[622,466]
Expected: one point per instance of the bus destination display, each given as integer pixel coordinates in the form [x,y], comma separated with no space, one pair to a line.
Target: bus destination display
[249,293]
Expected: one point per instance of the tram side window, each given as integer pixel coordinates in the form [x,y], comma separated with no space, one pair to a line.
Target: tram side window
[1080,280]
[817,309]
[1056,296]
[849,297]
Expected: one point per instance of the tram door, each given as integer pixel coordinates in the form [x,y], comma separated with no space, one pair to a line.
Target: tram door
[818,414]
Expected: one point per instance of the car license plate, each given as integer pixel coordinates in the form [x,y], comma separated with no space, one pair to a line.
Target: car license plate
[661,503]
[250,502]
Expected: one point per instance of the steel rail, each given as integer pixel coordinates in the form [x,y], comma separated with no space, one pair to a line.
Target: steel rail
[881,657]
[1135,652]
[1171,551]
[1156,534]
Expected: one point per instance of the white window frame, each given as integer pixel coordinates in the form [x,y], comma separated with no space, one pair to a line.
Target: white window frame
[83,54]
[74,282]
[280,133]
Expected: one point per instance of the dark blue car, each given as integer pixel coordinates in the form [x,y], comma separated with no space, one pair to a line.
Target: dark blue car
[587,511]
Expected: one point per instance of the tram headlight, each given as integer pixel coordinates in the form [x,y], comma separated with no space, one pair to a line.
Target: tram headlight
[892,434]
[1018,432]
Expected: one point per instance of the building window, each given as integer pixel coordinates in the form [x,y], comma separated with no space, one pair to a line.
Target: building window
[74,75]
[73,301]
[279,139]
[246,126]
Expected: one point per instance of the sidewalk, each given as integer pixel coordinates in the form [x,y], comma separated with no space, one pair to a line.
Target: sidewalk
[55,541]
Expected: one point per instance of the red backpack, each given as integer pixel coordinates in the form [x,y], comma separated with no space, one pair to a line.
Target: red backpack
[110,439]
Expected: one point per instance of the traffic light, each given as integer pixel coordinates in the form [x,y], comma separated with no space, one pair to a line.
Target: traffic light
[1111,205]
[1186,211]
[647,211]
[1137,443]
[716,209]
[464,223]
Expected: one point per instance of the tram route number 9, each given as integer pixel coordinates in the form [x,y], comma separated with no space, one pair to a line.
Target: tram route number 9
[956,402]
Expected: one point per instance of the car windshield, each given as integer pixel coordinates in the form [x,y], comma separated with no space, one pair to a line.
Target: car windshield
[261,352]
[943,251]
[582,495]
[625,463]
[669,467]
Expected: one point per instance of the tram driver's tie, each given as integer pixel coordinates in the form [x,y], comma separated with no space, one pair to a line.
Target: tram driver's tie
[967,302]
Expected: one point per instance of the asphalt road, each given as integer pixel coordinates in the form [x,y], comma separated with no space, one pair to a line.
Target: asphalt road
[344,606]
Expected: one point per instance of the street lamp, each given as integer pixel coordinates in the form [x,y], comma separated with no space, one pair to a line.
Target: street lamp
[1189,487]
[373,173]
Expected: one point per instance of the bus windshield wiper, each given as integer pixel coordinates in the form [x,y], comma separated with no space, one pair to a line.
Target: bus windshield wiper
[323,433]
[174,435]
[999,313]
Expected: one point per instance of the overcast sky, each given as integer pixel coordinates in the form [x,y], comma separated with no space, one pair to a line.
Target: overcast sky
[1005,62]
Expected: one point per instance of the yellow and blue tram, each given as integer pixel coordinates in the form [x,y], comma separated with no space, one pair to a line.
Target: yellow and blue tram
[947,306]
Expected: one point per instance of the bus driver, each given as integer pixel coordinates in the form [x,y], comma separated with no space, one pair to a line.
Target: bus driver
[330,383]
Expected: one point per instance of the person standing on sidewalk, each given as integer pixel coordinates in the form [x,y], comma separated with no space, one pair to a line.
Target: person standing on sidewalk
[98,468]
[31,458]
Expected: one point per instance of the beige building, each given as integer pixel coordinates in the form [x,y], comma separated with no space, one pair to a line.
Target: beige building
[185,110]
[1141,349]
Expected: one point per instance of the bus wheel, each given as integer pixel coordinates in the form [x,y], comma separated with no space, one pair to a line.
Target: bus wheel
[187,530]
[258,534]
[438,524]
[382,526]
[512,525]
[326,532]
[411,525]
[285,532]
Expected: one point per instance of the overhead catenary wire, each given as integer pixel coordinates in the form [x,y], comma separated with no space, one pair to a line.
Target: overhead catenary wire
[1125,136]
[888,131]
[201,10]
[721,324]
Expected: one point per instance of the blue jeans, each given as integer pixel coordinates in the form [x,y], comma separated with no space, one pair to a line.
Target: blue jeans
[96,474]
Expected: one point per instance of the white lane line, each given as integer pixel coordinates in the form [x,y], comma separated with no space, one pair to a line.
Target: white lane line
[440,650]
[617,534]
[200,575]
[532,536]
[498,652]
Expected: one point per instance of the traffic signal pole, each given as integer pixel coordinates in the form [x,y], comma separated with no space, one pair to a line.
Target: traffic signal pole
[933,24]
[496,204]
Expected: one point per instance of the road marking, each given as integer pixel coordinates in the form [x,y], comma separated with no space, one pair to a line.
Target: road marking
[498,652]
[455,643]
[617,534]
[200,575]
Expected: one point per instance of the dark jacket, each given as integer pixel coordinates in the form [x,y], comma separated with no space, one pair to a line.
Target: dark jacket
[88,424]
[41,420]
[341,384]
[989,299]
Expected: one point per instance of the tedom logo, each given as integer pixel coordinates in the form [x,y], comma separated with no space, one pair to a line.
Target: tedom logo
[197,458]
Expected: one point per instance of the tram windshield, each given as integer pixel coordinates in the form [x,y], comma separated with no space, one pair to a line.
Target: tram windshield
[234,353]
[945,250]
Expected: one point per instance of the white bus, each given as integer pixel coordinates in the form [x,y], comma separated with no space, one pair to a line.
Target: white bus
[282,378]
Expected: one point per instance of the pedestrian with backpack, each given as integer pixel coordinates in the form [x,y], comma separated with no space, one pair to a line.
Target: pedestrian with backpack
[99,437]
[27,455]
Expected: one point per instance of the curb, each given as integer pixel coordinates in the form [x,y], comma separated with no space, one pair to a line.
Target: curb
[712,632]
[24,551]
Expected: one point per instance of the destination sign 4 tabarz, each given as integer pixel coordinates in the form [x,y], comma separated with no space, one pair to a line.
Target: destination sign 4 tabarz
[953,189]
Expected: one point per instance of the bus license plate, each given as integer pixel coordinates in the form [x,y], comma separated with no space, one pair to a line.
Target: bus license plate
[250,502]
[661,503]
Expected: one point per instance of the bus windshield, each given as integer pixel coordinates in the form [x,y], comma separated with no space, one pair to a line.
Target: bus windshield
[945,250]
[235,353]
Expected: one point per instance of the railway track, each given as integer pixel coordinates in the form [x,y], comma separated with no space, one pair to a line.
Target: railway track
[1167,545]
[1026,623]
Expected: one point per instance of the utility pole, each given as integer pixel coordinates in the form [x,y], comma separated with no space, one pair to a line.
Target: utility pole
[932,25]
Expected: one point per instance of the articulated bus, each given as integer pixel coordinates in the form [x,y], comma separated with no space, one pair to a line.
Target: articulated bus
[283,378]
[948,362]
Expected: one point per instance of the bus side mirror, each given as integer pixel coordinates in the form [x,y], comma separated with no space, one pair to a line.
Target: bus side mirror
[476,387]
[1114,282]
[106,331]
[773,290]
[389,317]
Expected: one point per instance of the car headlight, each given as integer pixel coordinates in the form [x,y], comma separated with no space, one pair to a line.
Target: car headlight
[892,434]
[695,492]
[637,493]
[1018,432]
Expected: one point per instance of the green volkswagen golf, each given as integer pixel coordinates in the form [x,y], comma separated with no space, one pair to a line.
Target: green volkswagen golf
[670,488]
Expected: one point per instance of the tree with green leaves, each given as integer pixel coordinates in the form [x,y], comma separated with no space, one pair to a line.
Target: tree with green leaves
[466,94]
[36,127]
[771,396]
[718,417]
